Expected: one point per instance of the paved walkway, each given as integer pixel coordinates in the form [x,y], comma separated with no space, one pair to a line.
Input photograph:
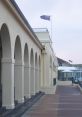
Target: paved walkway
[67,102]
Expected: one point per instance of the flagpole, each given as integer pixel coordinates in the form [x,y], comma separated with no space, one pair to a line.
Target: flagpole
[48,18]
[51,26]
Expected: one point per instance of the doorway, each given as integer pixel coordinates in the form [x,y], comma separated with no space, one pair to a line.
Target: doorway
[0,74]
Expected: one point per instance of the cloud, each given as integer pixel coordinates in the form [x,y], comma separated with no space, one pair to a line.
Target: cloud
[66,24]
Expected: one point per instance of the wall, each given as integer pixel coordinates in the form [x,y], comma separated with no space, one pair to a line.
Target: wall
[50,70]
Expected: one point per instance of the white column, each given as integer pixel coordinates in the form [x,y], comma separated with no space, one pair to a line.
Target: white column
[36,80]
[39,79]
[32,81]
[8,83]
[26,81]
[19,82]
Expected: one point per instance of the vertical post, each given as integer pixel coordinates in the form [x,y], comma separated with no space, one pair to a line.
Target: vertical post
[8,83]
[32,80]
[19,82]
[26,81]
[51,26]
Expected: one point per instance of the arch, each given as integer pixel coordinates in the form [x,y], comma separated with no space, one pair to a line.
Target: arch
[0,73]
[32,77]
[6,43]
[39,79]
[17,50]
[36,73]
[26,72]
[39,62]
[36,60]
[53,66]
[50,61]
[50,70]
[32,58]
[18,73]
[26,54]
[5,52]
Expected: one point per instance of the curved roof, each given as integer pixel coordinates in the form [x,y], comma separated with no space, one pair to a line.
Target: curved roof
[64,68]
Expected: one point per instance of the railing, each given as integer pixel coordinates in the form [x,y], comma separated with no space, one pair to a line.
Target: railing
[80,83]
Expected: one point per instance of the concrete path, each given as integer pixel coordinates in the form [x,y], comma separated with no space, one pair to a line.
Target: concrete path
[67,102]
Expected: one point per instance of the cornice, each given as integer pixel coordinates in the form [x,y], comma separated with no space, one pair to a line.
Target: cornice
[21,18]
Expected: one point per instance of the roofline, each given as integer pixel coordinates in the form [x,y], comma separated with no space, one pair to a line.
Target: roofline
[63,60]
[46,30]
[25,22]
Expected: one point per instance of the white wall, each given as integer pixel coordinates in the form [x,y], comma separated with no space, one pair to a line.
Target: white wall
[13,64]
[49,73]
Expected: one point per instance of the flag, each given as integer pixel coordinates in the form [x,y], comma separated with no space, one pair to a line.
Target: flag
[45,17]
[70,61]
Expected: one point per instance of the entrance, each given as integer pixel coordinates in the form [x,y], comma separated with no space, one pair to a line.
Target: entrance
[0,74]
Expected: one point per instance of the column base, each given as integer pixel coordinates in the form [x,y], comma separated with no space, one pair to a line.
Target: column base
[9,106]
[28,96]
[33,93]
[21,100]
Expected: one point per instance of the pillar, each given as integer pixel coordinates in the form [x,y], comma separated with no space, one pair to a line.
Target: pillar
[8,83]
[32,80]
[19,82]
[26,81]
[36,80]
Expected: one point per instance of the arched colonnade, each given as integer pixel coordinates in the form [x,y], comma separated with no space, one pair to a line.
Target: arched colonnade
[19,69]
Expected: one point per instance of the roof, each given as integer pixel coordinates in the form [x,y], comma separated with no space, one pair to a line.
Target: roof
[24,19]
[69,69]
[77,65]
[65,68]
[61,61]
[40,30]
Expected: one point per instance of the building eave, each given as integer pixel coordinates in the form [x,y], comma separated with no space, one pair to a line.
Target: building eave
[18,13]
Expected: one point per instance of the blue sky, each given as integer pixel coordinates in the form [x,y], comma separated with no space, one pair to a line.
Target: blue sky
[66,18]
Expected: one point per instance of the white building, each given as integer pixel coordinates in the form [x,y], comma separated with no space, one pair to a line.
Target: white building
[49,62]
[21,58]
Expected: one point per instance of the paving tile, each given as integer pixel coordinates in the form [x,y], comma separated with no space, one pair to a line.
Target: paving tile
[67,102]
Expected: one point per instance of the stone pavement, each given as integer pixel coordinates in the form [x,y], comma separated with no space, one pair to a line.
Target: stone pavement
[67,102]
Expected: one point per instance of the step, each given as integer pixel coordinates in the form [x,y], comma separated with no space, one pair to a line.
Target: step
[21,108]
